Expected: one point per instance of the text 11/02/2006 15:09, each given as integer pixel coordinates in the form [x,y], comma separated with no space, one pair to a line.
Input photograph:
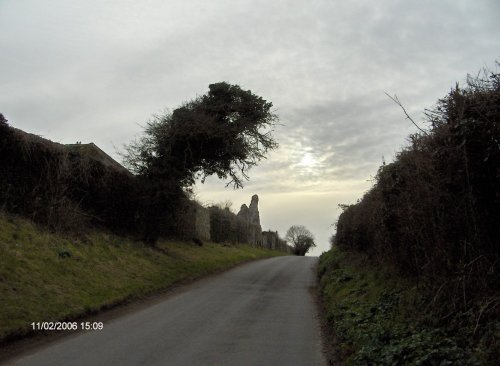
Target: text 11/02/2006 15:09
[57,326]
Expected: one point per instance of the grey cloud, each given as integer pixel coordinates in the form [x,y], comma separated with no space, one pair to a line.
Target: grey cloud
[94,70]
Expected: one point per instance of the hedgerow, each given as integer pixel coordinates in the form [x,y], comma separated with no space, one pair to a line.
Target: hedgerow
[432,214]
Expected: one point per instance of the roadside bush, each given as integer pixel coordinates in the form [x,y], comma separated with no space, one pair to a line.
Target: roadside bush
[32,176]
[61,188]
[433,213]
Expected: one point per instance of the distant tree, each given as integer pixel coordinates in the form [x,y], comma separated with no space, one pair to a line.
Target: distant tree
[300,238]
[224,132]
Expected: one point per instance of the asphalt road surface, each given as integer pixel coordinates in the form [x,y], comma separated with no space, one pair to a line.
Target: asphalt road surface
[260,313]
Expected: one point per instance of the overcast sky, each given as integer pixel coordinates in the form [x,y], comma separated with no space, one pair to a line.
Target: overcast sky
[95,71]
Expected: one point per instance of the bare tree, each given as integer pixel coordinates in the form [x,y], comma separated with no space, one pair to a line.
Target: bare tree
[300,238]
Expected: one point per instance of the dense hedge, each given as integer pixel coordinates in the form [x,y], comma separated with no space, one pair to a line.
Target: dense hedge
[62,188]
[434,212]
[67,189]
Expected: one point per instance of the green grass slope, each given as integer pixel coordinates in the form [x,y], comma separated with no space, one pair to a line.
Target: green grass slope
[49,277]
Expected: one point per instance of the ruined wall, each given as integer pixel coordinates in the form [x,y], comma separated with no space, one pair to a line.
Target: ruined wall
[250,218]
[193,221]
[271,240]
[223,225]
[220,225]
[202,223]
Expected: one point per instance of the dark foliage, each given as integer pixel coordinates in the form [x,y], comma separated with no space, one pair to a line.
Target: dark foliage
[225,132]
[433,213]
[110,196]
[218,133]
[61,188]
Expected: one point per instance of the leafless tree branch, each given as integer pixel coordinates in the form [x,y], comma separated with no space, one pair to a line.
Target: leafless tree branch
[396,100]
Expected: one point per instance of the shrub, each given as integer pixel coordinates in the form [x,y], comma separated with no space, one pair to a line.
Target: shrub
[61,188]
[433,213]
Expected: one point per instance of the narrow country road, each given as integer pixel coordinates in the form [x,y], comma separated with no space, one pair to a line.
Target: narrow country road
[261,313]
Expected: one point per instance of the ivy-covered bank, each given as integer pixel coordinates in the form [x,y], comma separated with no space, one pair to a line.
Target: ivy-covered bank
[374,317]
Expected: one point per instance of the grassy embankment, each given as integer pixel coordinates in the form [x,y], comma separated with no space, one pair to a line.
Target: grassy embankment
[48,277]
[375,317]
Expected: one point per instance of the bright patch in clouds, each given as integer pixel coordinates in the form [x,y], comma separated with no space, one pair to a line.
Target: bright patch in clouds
[308,161]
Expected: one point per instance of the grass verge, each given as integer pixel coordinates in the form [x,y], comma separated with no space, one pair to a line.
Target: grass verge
[373,317]
[49,277]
